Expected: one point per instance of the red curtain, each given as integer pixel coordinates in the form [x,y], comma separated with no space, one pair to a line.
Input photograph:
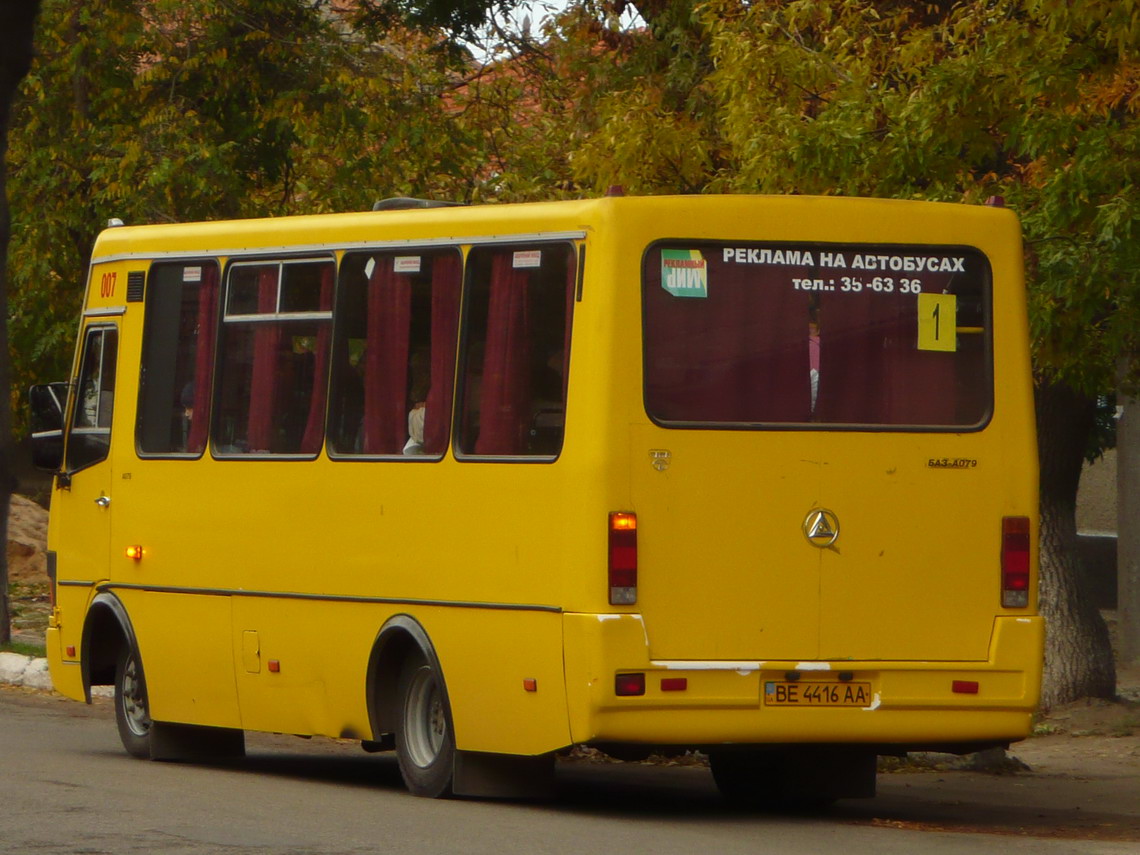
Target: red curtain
[386,360]
[738,355]
[315,426]
[506,361]
[571,281]
[203,358]
[871,370]
[265,374]
[445,282]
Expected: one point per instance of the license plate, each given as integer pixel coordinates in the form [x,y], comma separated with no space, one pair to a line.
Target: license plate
[782,693]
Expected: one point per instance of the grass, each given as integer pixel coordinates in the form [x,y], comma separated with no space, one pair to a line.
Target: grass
[23,649]
[1128,726]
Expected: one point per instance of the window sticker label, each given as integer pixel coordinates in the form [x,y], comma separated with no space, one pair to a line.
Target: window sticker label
[369,268]
[528,259]
[684,273]
[192,274]
[937,322]
[407,263]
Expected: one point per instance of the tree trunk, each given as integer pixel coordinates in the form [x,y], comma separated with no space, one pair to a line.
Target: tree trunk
[1078,654]
[17,22]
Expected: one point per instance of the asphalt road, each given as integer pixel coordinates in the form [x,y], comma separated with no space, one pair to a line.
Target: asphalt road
[67,787]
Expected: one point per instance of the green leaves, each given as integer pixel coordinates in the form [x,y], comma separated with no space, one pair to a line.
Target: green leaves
[1032,101]
[180,110]
[194,109]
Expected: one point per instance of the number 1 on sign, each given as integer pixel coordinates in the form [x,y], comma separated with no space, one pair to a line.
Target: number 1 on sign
[938,322]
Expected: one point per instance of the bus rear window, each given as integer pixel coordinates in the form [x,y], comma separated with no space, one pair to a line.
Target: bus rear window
[844,335]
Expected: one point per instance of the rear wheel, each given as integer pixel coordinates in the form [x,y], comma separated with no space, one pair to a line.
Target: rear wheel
[747,778]
[425,742]
[797,778]
[132,709]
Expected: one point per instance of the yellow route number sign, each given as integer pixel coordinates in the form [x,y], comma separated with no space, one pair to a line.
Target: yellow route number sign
[937,322]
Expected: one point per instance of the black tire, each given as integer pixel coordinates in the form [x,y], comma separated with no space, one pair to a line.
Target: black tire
[798,779]
[132,709]
[746,778]
[425,740]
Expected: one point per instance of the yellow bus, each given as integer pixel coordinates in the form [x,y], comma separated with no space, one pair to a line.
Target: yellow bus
[754,476]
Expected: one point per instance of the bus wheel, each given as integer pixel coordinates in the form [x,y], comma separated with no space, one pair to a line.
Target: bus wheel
[797,779]
[425,742]
[745,778]
[132,710]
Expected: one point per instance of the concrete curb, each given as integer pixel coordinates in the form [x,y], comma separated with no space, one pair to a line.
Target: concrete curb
[28,671]
[31,672]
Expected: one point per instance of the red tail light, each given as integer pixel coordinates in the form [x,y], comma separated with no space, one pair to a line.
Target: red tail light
[629,685]
[623,558]
[1015,551]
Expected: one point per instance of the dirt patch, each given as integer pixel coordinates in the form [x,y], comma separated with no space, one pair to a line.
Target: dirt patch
[29,599]
[27,539]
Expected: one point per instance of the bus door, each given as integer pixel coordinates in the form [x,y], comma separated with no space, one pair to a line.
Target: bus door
[721,483]
[82,506]
[816,480]
[726,571]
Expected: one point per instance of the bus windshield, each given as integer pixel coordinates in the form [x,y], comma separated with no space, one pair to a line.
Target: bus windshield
[831,335]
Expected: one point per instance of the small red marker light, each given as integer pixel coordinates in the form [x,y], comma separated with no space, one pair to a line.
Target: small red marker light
[70,651]
[274,666]
[964,687]
[674,684]
[627,685]
[530,684]
[135,552]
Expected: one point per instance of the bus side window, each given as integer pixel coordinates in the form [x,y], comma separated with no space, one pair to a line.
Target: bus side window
[394,353]
[90,437]
[517,350]
[178,353]
[276,331]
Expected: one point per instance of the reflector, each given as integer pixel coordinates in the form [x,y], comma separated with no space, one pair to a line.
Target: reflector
[626,685]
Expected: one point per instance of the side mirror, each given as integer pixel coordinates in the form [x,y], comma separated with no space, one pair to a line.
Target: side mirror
[48,403]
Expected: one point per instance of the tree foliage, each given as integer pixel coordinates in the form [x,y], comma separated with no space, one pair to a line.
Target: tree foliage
[185,110]
[17,22]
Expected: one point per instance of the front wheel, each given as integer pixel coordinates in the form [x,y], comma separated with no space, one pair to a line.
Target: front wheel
[132,709]
[425,742]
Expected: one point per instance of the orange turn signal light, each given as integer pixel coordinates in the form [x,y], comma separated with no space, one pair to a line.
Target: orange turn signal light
[623,521]
[135,552]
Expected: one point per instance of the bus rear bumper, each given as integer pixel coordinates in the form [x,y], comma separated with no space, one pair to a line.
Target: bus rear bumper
[893,705]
